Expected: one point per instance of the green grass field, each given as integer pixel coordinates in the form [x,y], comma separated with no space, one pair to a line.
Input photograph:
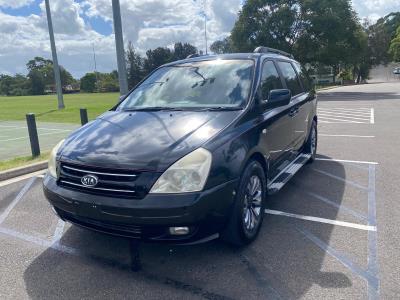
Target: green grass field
[45,107]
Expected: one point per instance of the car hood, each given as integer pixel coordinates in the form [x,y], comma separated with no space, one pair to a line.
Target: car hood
[143,140]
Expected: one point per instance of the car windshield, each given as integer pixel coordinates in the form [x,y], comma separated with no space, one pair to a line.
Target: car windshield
[214,84]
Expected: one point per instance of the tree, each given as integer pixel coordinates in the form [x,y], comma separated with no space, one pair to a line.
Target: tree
[134,66]
[37,82]
[222,46]
[315,31]
[88,83]
[182,51]
[394,49]
[155,58]
[380,36]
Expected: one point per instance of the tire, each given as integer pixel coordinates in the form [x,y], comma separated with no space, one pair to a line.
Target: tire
[244,223]
[312,142]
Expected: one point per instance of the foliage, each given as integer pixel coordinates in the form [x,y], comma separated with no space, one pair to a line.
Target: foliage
[394,49]
[222,46]
[380,36]
[139,67]
[134,68]
[88,83]
[17,85]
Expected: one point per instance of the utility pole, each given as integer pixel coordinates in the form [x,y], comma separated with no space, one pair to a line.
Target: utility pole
[95,68]
[119,45]
[56,68]
[205,26]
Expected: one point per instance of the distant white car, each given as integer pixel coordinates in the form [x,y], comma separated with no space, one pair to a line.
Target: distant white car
[396,71]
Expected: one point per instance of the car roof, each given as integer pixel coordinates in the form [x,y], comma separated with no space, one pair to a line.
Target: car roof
[253,56]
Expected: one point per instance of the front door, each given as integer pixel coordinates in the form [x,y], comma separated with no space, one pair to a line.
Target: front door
[277,133]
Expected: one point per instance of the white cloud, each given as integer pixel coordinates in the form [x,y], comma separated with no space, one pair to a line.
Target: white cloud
[375,9]
[15,3]
[148,24]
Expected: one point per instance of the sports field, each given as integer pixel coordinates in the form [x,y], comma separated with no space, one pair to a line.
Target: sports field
[45,107]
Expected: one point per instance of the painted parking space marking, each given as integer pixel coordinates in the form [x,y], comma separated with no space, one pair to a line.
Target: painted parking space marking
[346,115]
[346,135]
[321,220]
[347,161]
[349,182]
[27,137]
[21,194]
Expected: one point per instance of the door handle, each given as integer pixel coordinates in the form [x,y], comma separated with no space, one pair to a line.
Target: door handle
[294,111]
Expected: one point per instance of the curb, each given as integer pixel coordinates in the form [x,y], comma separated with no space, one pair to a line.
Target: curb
[11,173]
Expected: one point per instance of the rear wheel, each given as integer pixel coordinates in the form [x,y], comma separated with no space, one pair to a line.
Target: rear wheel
[312,142]
[248,211]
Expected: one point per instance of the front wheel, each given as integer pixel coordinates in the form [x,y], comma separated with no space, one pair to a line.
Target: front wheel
[248,211]
[312,142]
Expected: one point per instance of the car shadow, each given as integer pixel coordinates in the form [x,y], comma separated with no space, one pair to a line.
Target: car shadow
[281,263]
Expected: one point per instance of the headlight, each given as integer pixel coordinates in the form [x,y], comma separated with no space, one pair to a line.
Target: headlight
[189,174]
[52,160]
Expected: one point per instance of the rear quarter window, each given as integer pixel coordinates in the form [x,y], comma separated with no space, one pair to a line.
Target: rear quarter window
[290,76]
[303,76]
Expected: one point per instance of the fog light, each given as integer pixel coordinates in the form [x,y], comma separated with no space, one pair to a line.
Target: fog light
[178,230]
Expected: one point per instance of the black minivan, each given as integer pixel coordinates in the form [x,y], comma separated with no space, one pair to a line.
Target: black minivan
[191,153]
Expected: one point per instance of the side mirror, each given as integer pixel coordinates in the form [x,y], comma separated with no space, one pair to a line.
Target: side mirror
[279,98]
[122,97]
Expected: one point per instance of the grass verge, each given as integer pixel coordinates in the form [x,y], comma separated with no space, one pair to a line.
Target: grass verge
[45,107]
[21,161]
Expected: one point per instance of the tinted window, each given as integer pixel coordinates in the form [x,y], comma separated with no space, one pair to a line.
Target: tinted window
[214,83]
[305,79]
[270,79]
[290,76]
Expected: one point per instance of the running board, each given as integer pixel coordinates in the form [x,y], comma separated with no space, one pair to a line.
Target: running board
[288,172]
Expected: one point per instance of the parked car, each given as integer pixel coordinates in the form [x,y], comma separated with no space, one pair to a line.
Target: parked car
[191,153]
[396,71]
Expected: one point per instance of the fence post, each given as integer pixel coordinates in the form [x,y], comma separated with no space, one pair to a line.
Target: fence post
[33,135]
[84,116]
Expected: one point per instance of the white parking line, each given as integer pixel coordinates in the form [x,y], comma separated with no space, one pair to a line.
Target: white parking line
[372,119]
[25,189]
[27,137]
[348,161]
[365,114]
[39,128]
[346,135]
[329,115]
[321,220]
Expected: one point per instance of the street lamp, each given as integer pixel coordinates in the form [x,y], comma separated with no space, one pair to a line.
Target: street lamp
[56,68]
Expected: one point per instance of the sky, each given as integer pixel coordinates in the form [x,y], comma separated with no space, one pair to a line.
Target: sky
[83,25]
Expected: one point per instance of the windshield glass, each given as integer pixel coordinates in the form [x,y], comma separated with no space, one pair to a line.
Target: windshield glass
[213,84]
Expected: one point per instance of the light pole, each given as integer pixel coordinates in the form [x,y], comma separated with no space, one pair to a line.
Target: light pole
[119,45]
[56,68]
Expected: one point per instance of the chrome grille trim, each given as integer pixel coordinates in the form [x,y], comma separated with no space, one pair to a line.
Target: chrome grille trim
[94,188]
[97,173]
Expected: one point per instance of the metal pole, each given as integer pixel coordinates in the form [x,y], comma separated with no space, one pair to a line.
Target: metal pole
[84,116]
[119,45]
[33,135]
[205,26]
[56,68]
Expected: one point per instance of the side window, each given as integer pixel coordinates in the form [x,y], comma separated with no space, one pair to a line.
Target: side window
[290,76]
[305,79]
[270,79]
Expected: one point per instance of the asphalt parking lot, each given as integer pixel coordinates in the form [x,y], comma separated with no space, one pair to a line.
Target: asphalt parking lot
[332,232]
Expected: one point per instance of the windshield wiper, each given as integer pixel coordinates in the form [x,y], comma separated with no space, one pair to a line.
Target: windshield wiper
[153,108]
[227,108]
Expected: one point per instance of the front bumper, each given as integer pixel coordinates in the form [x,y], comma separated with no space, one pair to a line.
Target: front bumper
[148,219]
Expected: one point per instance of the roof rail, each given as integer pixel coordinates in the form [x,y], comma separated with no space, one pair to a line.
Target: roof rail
[262,49]
[193,55]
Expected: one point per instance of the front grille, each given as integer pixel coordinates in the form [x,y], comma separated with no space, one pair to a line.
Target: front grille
[111,182]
